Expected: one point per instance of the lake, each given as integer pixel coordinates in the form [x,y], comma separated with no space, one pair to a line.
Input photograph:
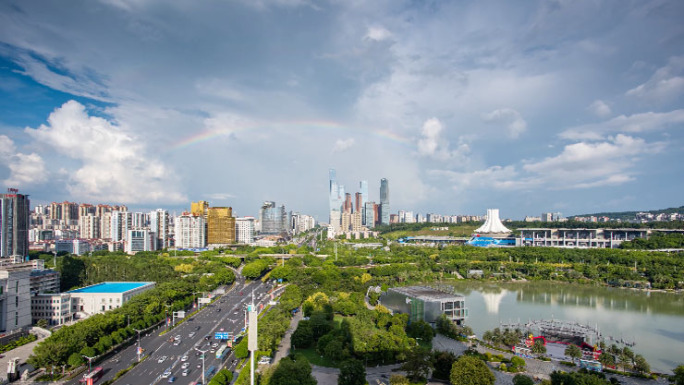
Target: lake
[655,321]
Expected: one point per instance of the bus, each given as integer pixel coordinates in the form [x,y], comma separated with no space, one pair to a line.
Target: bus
[93,376]
[209,372]
[222,352]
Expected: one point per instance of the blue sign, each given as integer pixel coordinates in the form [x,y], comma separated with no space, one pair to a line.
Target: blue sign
[222,336]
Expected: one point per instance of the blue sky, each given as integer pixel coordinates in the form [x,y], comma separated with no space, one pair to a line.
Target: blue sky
[570,106]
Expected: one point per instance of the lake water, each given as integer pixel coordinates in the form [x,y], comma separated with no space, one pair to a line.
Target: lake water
[655,321]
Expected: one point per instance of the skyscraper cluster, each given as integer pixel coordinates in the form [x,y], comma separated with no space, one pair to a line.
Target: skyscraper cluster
[355,213]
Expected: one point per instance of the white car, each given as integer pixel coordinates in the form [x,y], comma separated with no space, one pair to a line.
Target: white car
[192,334]
[184,358]
[185,365]
[185,372]
[264,360]
[212,351]
[166,374]
[214,345]
[178,337]
[161,359]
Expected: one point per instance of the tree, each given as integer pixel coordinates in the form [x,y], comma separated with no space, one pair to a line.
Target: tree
[442,363]
[303,336]
[352,372]
[573,351]
[577,378]
[678,377]
[420,329]
[293,372]
[517,364]
[641,365]
[607,359]
[469,370]
[42,323]
[417,365]
[520,379]
[75,360]
[398,379]
[538,346]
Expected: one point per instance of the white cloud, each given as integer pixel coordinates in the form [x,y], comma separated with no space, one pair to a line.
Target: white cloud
[665,84]
[220,196]
[343,144]
[600,109]
[25,169]
[514,122]
[643,122]
[434,145]
[114,164]
[377,34]
[579,166]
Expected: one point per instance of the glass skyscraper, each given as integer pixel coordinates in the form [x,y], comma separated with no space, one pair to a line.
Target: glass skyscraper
[384,202]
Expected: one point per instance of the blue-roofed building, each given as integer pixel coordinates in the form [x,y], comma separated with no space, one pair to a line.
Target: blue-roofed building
[105,296]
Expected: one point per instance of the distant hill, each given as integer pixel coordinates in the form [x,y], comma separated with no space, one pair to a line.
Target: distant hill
[630,215]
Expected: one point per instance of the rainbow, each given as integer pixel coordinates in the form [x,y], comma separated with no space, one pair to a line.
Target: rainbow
[208,135]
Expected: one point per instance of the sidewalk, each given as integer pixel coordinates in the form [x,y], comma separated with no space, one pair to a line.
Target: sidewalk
[22,353]
[285,343]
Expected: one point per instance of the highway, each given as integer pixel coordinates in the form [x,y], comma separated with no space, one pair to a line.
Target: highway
[165,355]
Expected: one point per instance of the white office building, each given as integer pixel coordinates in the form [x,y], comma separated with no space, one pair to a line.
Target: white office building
[15,297]
[244,230]
[190,231]
[140,240]
[105,296]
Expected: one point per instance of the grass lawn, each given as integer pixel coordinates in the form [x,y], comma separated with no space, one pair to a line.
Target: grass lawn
[314,358]
[456,231]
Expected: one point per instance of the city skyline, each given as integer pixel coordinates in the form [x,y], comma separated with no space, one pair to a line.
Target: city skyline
[538,107]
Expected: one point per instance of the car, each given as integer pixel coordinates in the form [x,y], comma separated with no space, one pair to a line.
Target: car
[199,365]
[184,358]
[166,374]
[185,365]
[214,345]
[161,359]
[185,372]
[264,360]
[192,334]
[207,337]
[172,379]
[177,343]
[198,327]
[178,337]
[212,351]
[222,329]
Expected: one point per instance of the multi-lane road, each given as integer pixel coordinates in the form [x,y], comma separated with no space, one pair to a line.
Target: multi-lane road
[166,355]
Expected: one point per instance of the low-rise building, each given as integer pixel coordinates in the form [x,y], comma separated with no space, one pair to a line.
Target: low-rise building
[54,307]
[424,303]
[105,296]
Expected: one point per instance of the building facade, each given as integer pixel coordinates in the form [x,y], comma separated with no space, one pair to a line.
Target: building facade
[220,226]
[384,202]
[14,224]
[244,230]
[105,296]
[190,231]
[15,297]
[424,303]
[140,240]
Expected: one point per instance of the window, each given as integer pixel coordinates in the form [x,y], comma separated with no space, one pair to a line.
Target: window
[16,301]
[16,286]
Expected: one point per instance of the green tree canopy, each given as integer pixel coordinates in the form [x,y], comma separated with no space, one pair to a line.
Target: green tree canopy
[469,370]
[293,372]
[520,379]
[352,372]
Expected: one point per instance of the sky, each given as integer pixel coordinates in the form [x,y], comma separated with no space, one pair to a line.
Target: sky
[567,106]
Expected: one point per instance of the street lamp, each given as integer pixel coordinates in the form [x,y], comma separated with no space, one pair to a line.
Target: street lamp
[90,362]
[203,352]
[138,351]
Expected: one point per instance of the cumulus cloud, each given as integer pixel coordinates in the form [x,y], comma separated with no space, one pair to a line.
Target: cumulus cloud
[114,164]
[584,165]
[434,145]
[643,122]
[377,34]
[580,165]
[600,109]
[343,144]
[220,196]
[25,169]
[665,84]
[514,122]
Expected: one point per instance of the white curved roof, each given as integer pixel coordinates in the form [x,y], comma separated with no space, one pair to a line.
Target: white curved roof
[493,223]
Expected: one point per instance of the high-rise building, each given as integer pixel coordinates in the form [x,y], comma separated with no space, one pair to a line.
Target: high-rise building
[220,226]
[190,231]
[14,224]
[335,198]
[369,210]
[384,202]
[273,219]
[363,189]
[159,225]
[140,240]
[89,225]
[120,224]
[244,230]
[15,312]
[199,208]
